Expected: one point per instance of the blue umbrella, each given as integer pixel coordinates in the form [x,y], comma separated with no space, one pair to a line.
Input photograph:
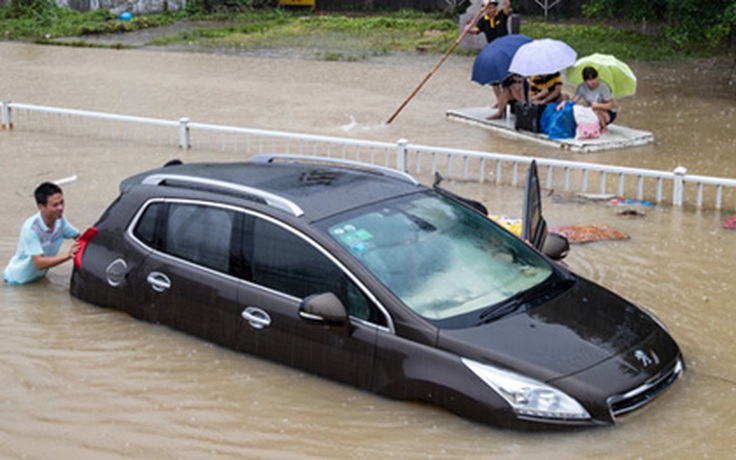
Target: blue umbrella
[492,63]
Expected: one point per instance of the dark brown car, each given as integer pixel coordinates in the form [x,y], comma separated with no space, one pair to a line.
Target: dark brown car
[362,275]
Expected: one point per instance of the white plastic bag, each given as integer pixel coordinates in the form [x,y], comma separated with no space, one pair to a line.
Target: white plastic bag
[586,121]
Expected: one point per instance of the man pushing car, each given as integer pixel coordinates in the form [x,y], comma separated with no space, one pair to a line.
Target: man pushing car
[41,237]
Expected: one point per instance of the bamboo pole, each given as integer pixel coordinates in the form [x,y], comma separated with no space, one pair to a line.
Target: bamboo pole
[437,66]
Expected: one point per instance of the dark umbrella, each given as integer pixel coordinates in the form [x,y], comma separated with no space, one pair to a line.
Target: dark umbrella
[492,63]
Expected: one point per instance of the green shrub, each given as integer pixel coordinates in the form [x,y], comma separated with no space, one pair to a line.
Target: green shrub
[688,22]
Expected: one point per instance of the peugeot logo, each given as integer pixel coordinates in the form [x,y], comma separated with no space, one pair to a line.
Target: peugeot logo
[645,359]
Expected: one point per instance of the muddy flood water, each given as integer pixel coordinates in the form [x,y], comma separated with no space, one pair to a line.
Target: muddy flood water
[81,382]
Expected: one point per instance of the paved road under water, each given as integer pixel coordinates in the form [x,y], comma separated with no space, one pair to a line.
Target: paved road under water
[83,382]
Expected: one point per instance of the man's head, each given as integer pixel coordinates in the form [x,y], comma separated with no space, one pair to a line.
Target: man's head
[50,201]
[490,5]
[44,191]
[590,77]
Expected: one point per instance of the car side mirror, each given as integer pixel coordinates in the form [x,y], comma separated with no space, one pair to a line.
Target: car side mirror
[325,308]
[556,246]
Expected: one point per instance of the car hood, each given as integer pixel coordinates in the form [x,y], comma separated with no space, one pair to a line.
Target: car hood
[578,329]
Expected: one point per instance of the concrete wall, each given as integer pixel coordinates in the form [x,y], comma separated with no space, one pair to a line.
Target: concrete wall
[471,41]
[118,6]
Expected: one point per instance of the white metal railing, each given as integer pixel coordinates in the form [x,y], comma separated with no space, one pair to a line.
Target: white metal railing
[643,184]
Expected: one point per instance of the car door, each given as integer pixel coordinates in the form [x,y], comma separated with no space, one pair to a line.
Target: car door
[534,227]
[282,268]
[185,283]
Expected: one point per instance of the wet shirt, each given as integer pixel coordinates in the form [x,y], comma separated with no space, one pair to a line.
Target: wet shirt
[493,26]
[36,239]
[601,94]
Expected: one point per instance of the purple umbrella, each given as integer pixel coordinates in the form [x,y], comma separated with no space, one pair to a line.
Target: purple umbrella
[492,63]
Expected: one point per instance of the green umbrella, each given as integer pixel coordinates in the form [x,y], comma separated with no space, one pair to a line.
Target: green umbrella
[615,73]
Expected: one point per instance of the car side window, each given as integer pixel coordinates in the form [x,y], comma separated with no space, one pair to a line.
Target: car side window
[197,233]
[285,262]
[200,234]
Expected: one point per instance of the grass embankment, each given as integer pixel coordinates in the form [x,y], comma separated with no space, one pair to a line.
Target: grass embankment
[330,37]
[333,36]
[412,31]
[36,23]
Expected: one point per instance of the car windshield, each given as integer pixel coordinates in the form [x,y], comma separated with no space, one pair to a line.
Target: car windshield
[439,257]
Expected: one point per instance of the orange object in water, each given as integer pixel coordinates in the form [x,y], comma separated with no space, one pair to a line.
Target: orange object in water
[588,233]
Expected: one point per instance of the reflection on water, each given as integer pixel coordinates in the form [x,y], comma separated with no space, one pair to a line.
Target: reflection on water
[83,382]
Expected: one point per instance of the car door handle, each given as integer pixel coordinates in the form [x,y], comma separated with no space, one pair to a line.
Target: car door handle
[256,317]
[158,281]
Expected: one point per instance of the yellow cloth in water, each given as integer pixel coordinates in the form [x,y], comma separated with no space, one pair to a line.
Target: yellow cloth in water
[512,225]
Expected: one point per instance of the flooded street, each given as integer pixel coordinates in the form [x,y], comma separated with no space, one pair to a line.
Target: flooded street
[82,382]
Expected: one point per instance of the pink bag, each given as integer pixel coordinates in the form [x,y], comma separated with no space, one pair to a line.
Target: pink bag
[588,126]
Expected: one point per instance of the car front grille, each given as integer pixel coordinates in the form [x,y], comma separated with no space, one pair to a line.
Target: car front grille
[634,399]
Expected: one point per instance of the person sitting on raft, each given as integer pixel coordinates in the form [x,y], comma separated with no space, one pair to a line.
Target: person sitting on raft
[546,89]
[513,89]
[597,94]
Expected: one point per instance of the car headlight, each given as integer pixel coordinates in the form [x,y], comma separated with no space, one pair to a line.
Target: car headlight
[527,396]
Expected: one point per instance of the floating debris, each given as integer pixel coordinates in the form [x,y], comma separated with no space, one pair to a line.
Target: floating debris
[622,201]
[588,233]
[596,196]
[630,214]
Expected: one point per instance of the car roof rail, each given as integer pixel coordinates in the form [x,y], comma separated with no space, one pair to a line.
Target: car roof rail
[395,173]
[215,185]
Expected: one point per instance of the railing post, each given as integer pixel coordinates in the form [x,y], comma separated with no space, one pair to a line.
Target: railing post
[678,191]
[7,120]
[401,154]
[184,134]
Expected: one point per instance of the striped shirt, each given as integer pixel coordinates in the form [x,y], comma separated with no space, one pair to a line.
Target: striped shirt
[540,82]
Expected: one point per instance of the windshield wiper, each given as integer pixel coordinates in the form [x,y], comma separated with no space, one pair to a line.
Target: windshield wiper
[507,307]
[515,302]
[421,223]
